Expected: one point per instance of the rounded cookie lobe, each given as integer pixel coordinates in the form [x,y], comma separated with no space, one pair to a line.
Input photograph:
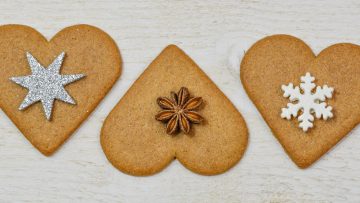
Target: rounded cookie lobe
[137,144]
[88,50]
[128,136]
[219,144]
[281,59]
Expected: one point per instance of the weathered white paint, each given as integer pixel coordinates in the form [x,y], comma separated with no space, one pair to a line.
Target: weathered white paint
[215,34]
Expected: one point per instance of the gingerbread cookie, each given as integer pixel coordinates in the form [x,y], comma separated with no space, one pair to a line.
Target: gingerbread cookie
[174,110]
[48,88]
[309,102]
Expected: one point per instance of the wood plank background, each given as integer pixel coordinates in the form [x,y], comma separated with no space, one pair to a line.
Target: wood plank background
[215,34]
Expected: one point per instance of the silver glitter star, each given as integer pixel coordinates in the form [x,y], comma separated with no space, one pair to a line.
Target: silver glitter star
[46,84]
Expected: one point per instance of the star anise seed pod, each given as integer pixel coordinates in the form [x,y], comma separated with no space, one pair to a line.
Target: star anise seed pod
[179,111]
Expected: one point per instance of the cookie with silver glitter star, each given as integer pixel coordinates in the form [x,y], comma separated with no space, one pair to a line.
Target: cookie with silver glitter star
[48,88]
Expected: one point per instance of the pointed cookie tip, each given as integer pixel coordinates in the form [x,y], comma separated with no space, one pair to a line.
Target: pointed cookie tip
[173,48]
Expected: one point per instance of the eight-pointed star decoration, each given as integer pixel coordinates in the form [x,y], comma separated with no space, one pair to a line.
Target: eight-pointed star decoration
[179,111]
[46,84]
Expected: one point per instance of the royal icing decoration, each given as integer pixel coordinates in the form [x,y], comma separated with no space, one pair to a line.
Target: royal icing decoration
[307,101]
[46,84]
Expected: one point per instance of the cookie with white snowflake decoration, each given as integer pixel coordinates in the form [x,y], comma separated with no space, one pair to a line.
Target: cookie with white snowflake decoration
[48,88]
[309,102]
[174,110]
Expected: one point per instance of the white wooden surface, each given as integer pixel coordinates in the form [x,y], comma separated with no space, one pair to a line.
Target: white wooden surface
[215,34]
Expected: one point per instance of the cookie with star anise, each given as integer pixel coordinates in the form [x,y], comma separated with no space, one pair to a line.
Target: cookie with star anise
[174,110]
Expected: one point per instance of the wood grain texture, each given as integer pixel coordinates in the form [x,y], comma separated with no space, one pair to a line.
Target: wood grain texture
[215,35]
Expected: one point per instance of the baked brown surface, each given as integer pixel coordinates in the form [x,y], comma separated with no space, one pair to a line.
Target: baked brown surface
[137,144]
[280,59]
[88,50]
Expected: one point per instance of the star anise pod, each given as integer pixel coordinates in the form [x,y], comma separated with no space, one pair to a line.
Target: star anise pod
[179,111]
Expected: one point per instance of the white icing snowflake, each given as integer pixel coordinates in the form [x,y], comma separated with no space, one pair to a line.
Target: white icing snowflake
[308,101]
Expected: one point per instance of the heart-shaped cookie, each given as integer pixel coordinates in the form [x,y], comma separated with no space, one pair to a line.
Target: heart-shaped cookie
[83,49]
[274,62]
[138,144]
